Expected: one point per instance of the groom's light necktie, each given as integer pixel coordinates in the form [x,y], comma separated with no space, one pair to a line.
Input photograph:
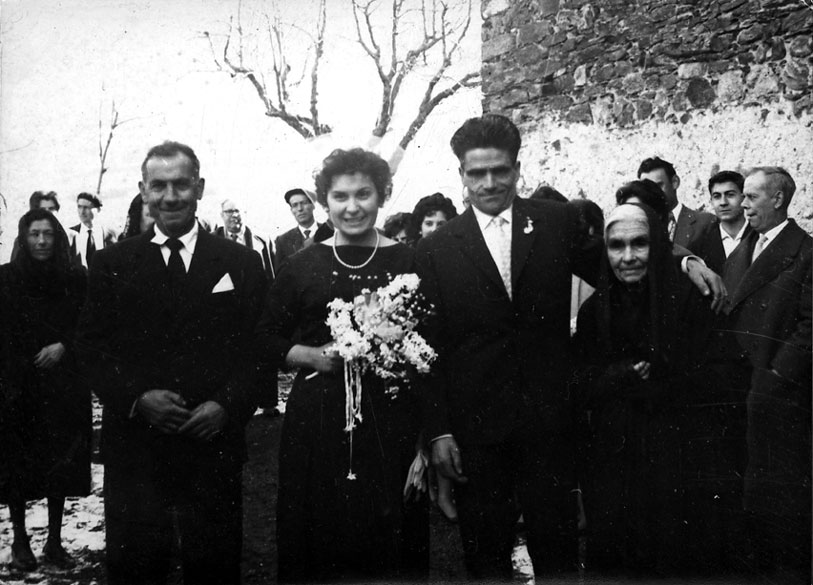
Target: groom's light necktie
[502,251]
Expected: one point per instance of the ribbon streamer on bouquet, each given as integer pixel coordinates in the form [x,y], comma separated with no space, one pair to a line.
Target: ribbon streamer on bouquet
[352,403]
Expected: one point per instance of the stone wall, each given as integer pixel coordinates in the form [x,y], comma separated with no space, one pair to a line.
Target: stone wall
[596,86]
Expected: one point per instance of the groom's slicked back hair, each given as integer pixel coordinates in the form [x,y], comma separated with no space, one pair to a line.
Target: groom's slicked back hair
[487,131]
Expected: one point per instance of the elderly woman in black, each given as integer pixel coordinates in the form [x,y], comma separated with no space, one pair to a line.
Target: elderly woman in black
[45,421]
[665,436]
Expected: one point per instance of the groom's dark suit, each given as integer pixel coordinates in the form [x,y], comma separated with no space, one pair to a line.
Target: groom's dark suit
[137,333]
[500,382]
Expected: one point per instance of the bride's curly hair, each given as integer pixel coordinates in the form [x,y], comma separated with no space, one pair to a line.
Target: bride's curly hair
[348,162]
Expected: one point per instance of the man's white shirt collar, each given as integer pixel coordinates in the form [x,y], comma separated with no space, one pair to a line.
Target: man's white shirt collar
[729,242]
[483,219]
[771,234]
[676,211]
[311,228]
[189,241]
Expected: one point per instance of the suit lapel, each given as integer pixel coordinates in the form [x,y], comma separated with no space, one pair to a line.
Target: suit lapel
[474,246]
[523,234]
[685,226]
[773,260]
[203,266]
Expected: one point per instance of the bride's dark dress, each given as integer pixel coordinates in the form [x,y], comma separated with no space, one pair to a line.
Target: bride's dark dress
[329,527]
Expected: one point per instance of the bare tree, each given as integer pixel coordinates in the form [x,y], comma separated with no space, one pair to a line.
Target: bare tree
[443,29]
[114,123]
[275,93]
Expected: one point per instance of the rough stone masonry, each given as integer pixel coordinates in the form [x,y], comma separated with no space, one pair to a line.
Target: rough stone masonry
[596,86]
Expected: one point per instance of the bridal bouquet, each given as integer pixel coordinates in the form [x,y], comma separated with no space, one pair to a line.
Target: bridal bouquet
[376,332]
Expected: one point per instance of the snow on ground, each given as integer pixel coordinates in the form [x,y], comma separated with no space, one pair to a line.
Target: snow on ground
[82,537]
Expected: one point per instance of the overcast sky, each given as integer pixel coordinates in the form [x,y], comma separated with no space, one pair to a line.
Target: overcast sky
[64,63]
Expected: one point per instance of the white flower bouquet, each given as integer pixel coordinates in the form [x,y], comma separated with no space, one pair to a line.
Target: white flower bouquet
[376,332]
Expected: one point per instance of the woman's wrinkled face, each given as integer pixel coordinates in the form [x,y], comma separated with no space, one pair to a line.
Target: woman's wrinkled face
[40,239]
[628,249]
[432,222]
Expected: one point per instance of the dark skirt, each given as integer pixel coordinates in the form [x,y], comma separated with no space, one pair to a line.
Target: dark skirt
[331,528]
[45,437]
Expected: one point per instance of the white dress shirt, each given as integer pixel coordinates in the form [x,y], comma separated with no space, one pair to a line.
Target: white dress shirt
[189,241]
[730,243]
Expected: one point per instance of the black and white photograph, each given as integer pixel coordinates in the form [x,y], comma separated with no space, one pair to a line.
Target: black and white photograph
[406,291]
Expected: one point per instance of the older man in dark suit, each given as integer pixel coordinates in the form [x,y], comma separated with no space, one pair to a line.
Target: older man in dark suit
[770,277]
[165,336]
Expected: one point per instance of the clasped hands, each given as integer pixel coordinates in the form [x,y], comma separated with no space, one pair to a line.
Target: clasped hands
[166,411]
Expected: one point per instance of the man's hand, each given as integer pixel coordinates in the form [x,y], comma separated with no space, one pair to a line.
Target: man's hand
[49,356]
[447,460]
[708,283]
[642,369]
[206,422]
[163,409]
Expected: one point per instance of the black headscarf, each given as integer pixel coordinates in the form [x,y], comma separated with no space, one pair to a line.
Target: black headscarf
[45,276]
[657,290]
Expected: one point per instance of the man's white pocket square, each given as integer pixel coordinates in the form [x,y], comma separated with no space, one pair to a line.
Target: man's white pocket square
[224,285]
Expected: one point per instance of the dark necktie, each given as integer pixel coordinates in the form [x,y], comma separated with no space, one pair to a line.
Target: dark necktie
[307,234]
[176,267]
[234,237]
[91,248]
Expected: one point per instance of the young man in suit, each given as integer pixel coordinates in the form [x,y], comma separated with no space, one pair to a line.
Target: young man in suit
[497,410]
[725,192]
[769,276]
[88,236]
[165,341]
[687,227]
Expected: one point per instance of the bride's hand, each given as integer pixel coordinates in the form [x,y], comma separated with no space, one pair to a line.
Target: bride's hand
[326,359]
[323,359]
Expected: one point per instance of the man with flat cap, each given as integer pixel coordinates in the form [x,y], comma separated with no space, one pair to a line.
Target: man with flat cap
[301,203]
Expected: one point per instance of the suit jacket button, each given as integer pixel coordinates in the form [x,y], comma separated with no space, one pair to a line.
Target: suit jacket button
[477,419]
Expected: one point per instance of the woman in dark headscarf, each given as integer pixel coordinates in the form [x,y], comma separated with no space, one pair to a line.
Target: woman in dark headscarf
[665,433]
[45,419]
[139,219]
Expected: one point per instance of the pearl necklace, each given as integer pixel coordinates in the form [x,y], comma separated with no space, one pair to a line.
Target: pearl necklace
[363,264]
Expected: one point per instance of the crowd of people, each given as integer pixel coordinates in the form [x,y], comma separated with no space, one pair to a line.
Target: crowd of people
[668,425]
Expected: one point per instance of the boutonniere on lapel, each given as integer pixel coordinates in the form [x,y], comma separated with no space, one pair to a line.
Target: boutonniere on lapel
[529,226]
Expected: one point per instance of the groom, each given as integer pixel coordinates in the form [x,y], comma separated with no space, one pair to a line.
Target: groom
[498,412]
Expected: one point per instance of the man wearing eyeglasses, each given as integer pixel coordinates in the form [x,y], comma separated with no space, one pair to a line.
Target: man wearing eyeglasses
[234,229]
